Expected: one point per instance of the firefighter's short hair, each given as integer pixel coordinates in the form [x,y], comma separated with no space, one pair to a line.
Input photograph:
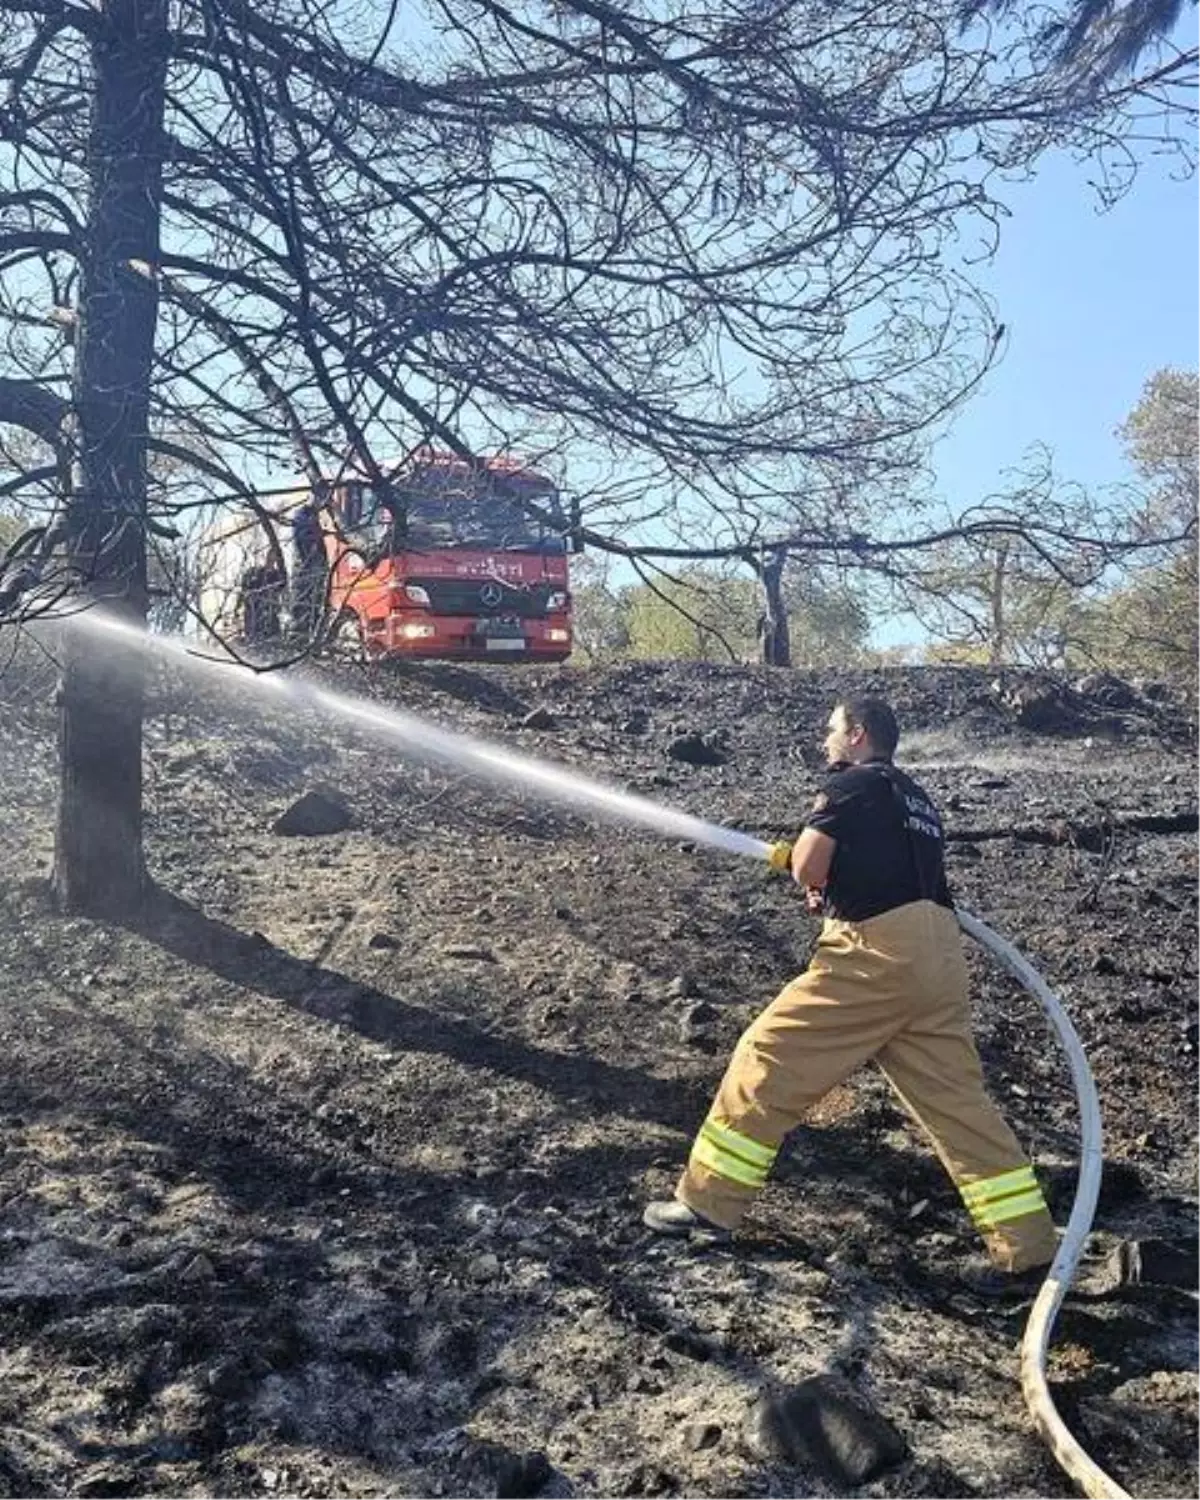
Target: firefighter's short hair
[876,717]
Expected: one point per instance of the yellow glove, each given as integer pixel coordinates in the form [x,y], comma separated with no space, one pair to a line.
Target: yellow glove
[780,856]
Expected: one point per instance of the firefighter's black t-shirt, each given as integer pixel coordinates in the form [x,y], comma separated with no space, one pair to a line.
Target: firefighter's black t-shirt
[890,847]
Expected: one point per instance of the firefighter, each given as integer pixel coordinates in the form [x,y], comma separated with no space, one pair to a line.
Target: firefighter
[15,585]
[888,981]
[260,602]
[23,566]
[309,570]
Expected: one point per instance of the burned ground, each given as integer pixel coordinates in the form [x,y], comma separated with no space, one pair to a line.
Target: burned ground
[326,1178]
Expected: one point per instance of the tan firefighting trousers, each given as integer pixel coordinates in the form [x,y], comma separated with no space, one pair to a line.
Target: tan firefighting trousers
[892,988]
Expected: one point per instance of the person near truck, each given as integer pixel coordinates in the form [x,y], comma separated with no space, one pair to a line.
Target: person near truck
[887,982]
[260,602]
[309,570]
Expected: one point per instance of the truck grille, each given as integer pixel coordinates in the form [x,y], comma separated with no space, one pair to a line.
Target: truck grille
[485,596]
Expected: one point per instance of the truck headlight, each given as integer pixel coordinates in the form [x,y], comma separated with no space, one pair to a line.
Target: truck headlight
[555,634]
[417,632]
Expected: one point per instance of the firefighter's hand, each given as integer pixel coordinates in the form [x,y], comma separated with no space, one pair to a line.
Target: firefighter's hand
[814,899]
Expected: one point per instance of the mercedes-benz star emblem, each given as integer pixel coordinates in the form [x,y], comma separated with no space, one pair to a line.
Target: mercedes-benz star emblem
[491,594]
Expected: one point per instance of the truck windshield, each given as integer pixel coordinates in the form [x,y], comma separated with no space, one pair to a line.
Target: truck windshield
[491,521]
[440,516]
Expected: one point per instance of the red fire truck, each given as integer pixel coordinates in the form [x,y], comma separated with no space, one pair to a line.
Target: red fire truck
[446,560]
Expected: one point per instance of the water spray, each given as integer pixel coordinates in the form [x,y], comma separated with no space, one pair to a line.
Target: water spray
[424,741]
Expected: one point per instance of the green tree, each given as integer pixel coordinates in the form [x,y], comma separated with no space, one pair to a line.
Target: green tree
[1146,628]
[996,601]
[990,593]
[1148,623]
[828,617]
[598,619]
[712,614]
[699,614]
[1160,439]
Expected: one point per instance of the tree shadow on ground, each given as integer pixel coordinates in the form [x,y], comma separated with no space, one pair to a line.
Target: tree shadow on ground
[252,962]
[590,1084]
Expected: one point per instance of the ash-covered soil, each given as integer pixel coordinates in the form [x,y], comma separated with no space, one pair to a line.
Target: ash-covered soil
[326,1178]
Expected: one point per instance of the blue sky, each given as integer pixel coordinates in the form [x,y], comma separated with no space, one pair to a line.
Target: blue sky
[1095,302]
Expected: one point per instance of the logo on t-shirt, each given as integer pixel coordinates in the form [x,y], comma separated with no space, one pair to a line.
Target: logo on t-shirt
[922,817]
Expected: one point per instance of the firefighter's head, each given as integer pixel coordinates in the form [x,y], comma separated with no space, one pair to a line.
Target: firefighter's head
[861,729]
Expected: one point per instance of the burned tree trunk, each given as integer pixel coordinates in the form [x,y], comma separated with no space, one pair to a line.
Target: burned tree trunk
[99,866]
[776,638]
[997,606]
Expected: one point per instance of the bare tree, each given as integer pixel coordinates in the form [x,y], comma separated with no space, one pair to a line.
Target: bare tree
[716,244]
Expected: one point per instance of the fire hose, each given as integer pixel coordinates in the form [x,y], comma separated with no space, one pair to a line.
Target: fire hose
[1071,1457]
[1086,1473]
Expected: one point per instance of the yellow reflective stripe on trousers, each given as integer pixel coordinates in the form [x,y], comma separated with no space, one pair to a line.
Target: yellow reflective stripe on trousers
[741,1145]
[725,1166]
[987,1216]
[732,1155]
[990,1188]
[996,1200]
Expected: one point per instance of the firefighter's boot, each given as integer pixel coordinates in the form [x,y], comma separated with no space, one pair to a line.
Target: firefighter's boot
[993,1284]
[674,1219]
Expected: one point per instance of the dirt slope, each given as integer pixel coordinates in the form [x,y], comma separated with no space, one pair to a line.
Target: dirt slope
[327,1179]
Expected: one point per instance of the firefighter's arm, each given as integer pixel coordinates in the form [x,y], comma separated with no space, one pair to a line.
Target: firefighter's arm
[812,855]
